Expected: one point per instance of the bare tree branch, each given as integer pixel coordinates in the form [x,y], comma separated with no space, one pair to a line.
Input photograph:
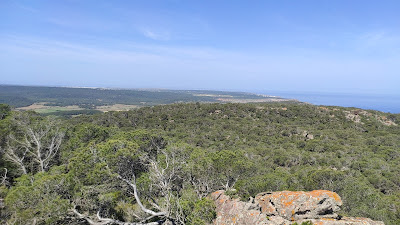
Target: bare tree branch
[3,182]
[11,154]
[105,221]
[135,193]
[38,139]
[163,176]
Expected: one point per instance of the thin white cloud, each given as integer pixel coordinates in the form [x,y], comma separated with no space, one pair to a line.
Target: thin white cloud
[25,7]
[156,35]
[374,38]
[379,39]
[83,23]
[121,51]
[190,67]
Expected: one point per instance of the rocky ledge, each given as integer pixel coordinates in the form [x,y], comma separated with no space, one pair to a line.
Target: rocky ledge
[284,208]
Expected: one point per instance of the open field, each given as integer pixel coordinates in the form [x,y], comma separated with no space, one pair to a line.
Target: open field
[41,107]
[250,100]
[116,107]
[76,101]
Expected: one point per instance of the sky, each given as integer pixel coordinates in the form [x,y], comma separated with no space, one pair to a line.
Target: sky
[260,46]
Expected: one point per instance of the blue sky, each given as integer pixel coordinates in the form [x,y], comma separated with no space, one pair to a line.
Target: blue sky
[304,46]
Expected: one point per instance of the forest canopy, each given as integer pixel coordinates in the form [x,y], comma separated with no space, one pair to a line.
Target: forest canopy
[160,163]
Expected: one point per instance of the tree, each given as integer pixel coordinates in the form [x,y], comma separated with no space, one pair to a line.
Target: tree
[39,199]
[122,164]
[4,111]
[34,142]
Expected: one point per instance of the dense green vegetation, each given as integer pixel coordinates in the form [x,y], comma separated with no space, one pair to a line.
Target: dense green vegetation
[173,156]
[70,113]
[19,96]
[89,98]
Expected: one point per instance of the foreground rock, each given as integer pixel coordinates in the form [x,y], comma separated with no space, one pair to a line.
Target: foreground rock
[284,208]
[300,205]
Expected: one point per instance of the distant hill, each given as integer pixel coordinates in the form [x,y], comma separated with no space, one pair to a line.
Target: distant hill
[64,100]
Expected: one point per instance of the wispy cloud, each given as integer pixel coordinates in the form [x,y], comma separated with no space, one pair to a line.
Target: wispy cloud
[25,7]
[156,35]
[378,44]
[380,38]
[120,51]
[374,38]
[79,24]
[184,67]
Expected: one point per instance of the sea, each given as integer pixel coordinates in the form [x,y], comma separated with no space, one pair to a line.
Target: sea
[380,102]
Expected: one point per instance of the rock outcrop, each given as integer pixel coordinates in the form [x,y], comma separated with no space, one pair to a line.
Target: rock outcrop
[300,205]
[284,208]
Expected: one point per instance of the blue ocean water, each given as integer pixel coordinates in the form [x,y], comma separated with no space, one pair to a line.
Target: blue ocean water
[380,102]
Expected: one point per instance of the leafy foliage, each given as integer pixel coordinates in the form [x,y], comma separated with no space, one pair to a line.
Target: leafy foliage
[177,154]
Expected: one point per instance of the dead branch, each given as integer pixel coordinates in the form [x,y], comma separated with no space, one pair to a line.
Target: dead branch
[3,182]
[136,195]
[40,141]
[104,221]
[11,154]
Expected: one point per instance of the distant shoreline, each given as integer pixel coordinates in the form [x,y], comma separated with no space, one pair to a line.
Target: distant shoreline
[383,102]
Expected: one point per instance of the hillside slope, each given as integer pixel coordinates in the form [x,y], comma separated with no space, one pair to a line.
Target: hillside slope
[92,98]
[175,155]
[353,152]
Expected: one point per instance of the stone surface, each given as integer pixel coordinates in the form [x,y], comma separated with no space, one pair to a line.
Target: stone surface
[233,211]
[283,208]
[343,221]
[295,205]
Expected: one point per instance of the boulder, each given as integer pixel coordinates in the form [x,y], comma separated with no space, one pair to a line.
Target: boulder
[295,205]
[234,211]
[283,208]
[343,221]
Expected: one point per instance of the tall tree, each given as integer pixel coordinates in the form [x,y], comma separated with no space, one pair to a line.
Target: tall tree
[33,142]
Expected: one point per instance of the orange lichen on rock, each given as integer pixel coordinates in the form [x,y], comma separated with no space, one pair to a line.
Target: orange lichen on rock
[321,193]
[343,221]
[283,208]
[299,204]
[328,219]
